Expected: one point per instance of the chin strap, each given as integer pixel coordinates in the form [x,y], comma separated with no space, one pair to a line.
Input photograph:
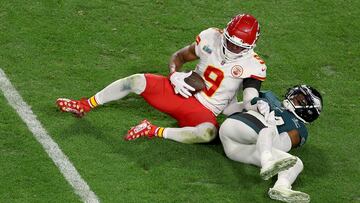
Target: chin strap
[230,56]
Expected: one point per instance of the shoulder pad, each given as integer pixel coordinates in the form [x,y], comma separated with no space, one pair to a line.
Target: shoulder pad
[207,38]
[207,34]
[254,67]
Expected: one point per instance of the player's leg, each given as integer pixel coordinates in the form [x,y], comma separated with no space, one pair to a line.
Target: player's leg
[272,160]
[239,135]
[198,127]
[133,84]
[238,140]
[116,90]
[282,188]
[234,133]
[246,139]
[202,133]
[197,123]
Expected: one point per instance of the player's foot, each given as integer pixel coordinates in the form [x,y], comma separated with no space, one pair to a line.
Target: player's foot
[273,167]
[144,129]
[76,107]
[288,195]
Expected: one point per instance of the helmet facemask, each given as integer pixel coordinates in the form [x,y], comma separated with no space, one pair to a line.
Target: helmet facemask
[228,53]
[304,102]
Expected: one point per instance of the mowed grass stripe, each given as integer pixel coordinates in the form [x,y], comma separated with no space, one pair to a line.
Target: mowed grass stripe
[53,150]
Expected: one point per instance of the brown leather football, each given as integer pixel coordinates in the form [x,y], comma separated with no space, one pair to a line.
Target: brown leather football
[195,81]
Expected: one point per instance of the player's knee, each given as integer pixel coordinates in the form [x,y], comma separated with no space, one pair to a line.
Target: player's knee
[224,129]
[206,132]
[227,142]
[208,135]
[230,155]
[136,83]
[299,164]
[227,130]
[229,150]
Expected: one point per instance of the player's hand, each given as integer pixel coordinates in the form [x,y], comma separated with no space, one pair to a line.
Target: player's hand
[263,108]
[180,86]
[270,119]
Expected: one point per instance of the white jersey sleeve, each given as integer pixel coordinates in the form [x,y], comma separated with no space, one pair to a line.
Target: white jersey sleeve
[254,67]
[205,40]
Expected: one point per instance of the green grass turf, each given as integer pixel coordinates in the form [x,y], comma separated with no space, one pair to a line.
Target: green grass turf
[27,173]
[52,49]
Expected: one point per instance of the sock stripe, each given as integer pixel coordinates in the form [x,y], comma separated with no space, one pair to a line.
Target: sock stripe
[92,101]
[160,132]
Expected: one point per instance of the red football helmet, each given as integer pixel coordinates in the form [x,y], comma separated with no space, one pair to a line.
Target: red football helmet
[240,36]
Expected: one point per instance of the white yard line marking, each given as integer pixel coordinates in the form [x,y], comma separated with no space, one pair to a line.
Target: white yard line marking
[52,149]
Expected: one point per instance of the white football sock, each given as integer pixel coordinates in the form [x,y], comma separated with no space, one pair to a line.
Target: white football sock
[287,178]
[201,133]
[264,145]
[122,87]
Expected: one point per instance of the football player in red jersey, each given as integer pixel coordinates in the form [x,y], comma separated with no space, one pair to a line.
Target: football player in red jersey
[263,138]
[227,63]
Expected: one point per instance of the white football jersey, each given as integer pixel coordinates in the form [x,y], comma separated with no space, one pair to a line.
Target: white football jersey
[223,79]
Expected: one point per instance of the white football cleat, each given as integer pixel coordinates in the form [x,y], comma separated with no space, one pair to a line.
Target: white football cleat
[288,195]
[275,166]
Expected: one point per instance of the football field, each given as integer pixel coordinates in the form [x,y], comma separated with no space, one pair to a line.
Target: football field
[73,49]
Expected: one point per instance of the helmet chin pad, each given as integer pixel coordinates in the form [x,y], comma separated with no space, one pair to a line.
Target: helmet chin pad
[228,54]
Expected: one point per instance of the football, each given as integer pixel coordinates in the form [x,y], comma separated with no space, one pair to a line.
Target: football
[195,81]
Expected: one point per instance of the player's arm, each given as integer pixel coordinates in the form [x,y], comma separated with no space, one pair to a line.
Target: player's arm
[233,107]
[177,78]
[182,56]
[294,137]
[251,88]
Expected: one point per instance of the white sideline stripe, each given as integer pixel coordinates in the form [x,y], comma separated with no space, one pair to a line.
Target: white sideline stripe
[52,149]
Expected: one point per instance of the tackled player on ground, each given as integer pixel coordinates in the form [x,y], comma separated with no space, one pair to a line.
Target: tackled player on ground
[264,137]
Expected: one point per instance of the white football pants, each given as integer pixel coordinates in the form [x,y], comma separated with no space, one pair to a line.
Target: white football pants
[240,144]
